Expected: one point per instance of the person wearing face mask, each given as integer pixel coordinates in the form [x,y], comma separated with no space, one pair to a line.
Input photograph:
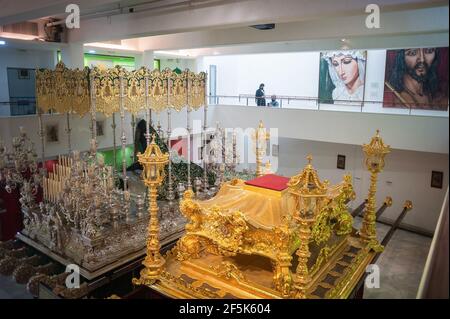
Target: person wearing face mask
[414,81]
[346,69]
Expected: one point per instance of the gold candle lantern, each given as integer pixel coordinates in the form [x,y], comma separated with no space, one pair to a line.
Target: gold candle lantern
[311,198]
[374,153]
[153,162]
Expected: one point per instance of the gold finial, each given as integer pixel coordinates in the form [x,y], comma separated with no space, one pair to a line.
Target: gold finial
[261,125]
[309,159]
[388,201]
[153,138]
[408,205]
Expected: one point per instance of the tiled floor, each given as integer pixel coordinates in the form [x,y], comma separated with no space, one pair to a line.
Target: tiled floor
[401,265]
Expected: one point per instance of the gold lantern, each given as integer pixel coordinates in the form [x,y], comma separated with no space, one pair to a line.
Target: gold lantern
[374,153]
[310,199]
[153,162]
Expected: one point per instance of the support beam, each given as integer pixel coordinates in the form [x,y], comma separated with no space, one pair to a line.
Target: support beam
[72,56]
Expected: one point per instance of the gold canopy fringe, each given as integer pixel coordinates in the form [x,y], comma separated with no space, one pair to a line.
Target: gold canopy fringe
[68,91]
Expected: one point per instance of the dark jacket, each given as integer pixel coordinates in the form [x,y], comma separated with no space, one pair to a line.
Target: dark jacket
[260,101]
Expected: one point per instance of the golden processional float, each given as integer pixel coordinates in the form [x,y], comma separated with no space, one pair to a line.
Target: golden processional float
[270,237]
[84,216]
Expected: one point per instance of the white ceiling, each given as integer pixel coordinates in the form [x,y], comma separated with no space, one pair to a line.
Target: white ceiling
[208,27]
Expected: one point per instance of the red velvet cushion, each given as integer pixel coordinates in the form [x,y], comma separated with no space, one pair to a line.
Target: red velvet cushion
[270,181]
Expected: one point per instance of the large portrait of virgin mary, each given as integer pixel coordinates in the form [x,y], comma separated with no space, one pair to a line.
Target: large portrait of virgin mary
[342,77]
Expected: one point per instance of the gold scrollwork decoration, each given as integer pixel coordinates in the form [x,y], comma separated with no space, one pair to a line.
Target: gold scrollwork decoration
[65,90]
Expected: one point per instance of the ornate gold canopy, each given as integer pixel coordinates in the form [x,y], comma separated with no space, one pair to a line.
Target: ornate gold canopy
[63,90]
[69,91]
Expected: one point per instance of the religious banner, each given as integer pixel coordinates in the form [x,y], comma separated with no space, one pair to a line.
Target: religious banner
[417,79]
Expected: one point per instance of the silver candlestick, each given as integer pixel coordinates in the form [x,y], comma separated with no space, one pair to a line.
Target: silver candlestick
[198,186]
[113,126]
[140,206]
[181,189]
[188,129]
[148,112]
[170,193]
[133,129]
[41,136]
[127,210]
[68,131]
[205,165]
[123,138]
[93,110]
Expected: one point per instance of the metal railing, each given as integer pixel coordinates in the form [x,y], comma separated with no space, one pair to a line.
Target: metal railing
[315,103]
[27,106]
[18,107]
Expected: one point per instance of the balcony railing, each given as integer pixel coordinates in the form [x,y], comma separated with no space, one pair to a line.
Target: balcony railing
[27,106]
[314,103]
[18,107]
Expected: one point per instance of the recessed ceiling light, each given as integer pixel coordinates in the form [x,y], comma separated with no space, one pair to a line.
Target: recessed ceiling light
[267,26]
[2,42]
[343,39]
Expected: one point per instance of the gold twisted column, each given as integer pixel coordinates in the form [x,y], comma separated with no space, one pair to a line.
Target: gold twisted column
[153,262]
[368,229]
[374,153]
[302,277]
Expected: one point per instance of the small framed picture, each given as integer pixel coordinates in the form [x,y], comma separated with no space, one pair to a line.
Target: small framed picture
[23,74]
[100,128]
[275,150]
[52,133]
[437,179]
[340,161]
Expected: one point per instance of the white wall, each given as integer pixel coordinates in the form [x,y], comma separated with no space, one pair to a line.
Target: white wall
[15,58]
[282,73]
[416,133]
[80,136]
[407,175]
[297,74]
